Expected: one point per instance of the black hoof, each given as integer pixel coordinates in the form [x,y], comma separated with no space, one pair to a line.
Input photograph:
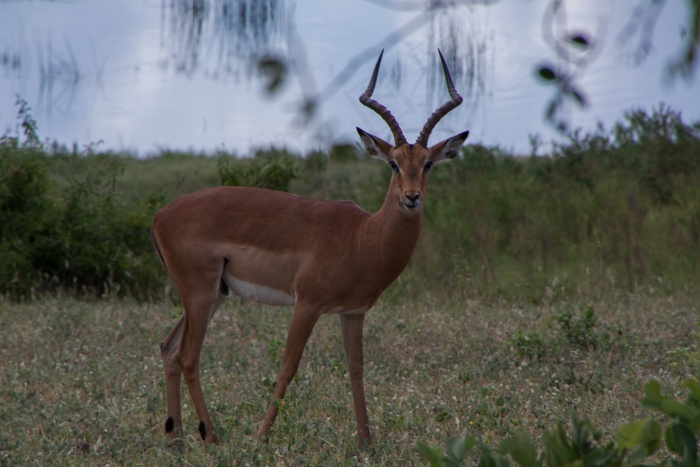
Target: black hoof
[169,425]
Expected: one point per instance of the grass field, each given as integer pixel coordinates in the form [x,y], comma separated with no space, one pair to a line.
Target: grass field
[81,382]
[540,286]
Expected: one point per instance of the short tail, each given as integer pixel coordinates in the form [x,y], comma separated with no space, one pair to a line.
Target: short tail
[155,244]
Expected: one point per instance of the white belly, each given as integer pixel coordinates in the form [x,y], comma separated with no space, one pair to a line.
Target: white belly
[259,293]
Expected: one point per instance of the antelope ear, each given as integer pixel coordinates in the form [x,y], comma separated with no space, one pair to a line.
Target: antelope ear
[448,149]
[376,147]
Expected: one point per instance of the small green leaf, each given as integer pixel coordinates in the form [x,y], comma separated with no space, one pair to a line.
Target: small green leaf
[442,416]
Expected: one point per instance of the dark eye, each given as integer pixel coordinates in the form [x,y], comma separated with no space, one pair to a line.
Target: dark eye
[393,165]
[427,166]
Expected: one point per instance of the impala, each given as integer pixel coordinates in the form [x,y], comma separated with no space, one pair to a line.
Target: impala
[321,257]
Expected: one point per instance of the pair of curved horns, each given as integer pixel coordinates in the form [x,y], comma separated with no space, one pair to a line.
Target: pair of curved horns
[399,138]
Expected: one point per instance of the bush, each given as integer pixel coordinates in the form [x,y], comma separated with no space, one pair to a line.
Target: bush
[86,238]
[80,234]
[608,212]
[274,170]
[27,216]
[103,243]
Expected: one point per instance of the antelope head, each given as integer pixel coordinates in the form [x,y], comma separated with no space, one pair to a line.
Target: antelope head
[411,162]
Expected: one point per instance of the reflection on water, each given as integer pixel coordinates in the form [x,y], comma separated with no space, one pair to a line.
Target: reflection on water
[144,74]
[248,43]
[464,43]
[224,32]
[59,75]
[10,62]
[52,66]
[259,38]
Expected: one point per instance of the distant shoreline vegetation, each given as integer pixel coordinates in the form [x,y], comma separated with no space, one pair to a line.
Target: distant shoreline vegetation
[606,212]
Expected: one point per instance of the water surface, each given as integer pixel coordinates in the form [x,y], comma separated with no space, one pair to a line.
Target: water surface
[145,75]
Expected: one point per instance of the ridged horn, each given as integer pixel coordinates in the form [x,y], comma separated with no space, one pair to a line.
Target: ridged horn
[455,100]
[366,99]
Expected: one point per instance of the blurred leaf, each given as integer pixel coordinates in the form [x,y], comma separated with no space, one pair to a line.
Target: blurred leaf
[579,40]
[487,459]
[645,434]
[552,108]
[274,70]
[694,387]
[432,455]
[458,447]
[674,408]
[558,450]
[694,423]
[308,108]
[547,73]
[680,440]
[578,97]
[652,395]
[521,450]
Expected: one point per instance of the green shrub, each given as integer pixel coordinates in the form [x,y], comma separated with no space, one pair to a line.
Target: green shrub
[566,330]
[531,346]
[27,216]
[608,212]
[77,233]
[273,169]
[104,244]
[315,162]
[343,153]
[582,330]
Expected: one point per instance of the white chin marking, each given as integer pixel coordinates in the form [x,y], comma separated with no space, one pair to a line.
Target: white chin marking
[259,293]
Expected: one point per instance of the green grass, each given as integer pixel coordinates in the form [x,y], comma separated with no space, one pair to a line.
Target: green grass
[539,286]
[81,381]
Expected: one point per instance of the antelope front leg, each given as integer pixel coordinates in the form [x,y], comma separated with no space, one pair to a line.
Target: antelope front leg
[351,326]
[303,321]
[188,356]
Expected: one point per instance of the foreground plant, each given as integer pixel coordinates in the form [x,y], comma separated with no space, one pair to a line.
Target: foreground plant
[634,442]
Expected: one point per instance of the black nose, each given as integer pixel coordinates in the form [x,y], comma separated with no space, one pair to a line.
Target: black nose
[413,197]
